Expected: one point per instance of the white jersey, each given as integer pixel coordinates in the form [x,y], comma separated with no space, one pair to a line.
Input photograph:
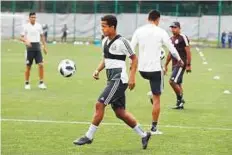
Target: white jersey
[32,32]
[150,39]
[122,48]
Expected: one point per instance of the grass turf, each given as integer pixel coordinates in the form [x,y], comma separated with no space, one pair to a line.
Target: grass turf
[72,99]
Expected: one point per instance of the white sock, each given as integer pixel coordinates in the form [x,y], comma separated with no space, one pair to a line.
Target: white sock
[139,131]
[90,133]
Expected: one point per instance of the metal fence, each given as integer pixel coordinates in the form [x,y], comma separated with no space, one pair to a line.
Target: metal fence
[171,8]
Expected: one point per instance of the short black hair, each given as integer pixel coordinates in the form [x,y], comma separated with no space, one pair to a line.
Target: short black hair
[32,13]
[153,15]
[111,20]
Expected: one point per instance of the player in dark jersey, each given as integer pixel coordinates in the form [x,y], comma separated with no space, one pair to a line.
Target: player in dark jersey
[181,44]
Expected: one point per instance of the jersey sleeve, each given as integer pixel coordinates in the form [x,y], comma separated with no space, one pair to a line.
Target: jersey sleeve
[134,41]
[23,31]
[168,43]
[186,40]
[126,47]
[40,30]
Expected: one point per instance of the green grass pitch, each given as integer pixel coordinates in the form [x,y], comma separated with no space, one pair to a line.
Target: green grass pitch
[203,128]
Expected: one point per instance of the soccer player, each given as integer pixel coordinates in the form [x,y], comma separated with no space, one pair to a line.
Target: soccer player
[115,50]
[150,39]
[65,33]
[181,43]
[31,35]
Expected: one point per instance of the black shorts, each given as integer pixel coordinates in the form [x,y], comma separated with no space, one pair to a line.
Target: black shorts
[156,81]
[177,74]
[32,53]
[114,94]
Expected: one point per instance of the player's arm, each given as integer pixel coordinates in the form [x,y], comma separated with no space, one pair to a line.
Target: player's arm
[128,50]
[167,42]
[188,54]
[25,41]
[169,57]
[133,69]
[100,67]
[43,40]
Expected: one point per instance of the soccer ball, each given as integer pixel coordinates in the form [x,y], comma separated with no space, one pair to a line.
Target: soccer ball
[67,67]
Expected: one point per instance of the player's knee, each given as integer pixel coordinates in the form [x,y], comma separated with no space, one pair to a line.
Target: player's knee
[171,82]
[120,114]
[40,65]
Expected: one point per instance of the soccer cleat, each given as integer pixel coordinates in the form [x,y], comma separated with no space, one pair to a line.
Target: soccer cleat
[145,140]
[179,105]
[82,141]
[155,131]
[42,86]
[27,86]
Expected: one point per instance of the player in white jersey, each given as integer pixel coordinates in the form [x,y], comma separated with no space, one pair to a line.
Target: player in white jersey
[115,50]
[150,39]
[31,35]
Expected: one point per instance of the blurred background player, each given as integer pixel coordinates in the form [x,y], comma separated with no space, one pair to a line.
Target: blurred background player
[223,39]
[150,39]
[230,39]
[65,33]
[181,43]
[115,49]
[31,35]
[45,30]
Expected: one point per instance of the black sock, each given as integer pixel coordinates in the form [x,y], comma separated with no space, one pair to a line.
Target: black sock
[154,124]
[179,97]
[41,81]
[27,82]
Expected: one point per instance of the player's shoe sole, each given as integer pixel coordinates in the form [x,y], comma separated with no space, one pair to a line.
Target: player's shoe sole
[157,132]
[178,108]
[27,87]
[82,141]
[145,140]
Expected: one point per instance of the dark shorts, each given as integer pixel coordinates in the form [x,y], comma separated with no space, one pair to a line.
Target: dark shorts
[177,74]
[156,81]
[114,94]
[34,53]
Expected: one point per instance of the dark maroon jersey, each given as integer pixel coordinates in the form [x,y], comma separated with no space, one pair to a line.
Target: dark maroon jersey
[180,42]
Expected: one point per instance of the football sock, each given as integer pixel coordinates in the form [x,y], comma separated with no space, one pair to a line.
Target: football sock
[90,133]
[27,82]
[154,124]
[41,81]
[139,131]
[179,97]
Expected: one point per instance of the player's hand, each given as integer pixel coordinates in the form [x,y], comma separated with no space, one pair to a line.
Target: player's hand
[45,50]
[96,75]
[165,69]
[27,43]
[188,69]
[180,63]
[131,83]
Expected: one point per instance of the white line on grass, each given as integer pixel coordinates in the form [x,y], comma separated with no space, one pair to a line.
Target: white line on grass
[114,124]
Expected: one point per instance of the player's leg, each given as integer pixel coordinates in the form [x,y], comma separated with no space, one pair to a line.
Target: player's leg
[118,103]
[130,120]
[39,62]
[29,55]
[156,84]
[103,100]
[175,82]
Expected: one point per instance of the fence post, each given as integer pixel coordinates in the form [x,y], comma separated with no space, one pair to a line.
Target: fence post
[54,20]
[177,10]
[219,21]
[157,6]
[116,7]
[95,20]
[13,6]
[75,12]
[199,21]
[137,12]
